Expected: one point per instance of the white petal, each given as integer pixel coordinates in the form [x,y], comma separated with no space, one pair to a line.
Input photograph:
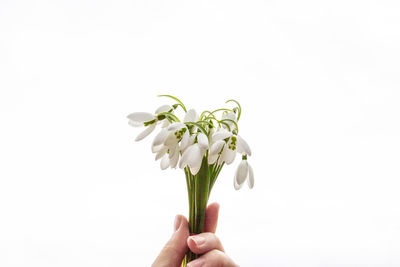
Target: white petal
[141,117]
[155,149]
[242,146]
[221,134]
[195,156]
[161,152]
[160,137]
[228,155]
[174,160]
[250,180]
[135,123]
[191,139]
[185,141]
[212,158]
[195,170]
[221,157]
[235,184]
[185,156]
[191,116]
[202,140]
[241,172]
[164,162]
[163,108]
[171,140]
[176,126]
[146,132]
[165,123]
[211,131]
[174,150]
[216,147]
[231,116]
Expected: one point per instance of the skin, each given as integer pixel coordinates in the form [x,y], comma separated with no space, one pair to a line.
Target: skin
[207,244]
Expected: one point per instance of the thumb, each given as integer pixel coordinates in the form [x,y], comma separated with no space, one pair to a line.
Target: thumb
[173,252]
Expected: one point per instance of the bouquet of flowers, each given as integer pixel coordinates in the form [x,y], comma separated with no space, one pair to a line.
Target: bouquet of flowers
[200,145]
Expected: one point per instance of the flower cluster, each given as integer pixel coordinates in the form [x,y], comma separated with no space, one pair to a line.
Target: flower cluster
[184,143]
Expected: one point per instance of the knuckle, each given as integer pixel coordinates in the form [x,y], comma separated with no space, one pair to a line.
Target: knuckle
[217,242]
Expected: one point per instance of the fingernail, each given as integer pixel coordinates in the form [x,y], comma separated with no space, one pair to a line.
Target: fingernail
[177,222]
[196,263]
[198,240]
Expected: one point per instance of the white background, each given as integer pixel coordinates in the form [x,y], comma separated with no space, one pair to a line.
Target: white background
[319,85]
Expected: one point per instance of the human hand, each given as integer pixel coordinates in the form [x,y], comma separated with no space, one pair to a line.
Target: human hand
[206,243]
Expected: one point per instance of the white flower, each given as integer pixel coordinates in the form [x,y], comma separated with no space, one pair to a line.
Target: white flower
[228,153]
[225,145]
[214,151]
[192,157]
[168,159]
[221,134]
[160,138]
[166,144]
[149,120]
[175,134]
[164,163]
[191,116]
[163,108]
[137,119]
[217,144]
[229,116]
[202,139]
[186,141]
[242,146]
[146,132]
[244,171]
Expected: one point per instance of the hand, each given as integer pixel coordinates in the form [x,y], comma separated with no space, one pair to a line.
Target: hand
[206,243]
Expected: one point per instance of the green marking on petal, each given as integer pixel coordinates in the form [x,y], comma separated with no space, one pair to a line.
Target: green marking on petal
[147,123]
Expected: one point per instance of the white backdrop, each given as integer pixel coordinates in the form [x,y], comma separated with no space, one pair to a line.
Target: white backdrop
[319,85]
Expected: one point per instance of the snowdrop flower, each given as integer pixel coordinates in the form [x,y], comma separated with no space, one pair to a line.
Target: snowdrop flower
[224,147]
[217,144]
[230,119]
[149,120]
[193,155]
[186,141]
[191,116]
[166,145]
[192,158]
[169,159]
[159,139]
[244,171]
[242,146]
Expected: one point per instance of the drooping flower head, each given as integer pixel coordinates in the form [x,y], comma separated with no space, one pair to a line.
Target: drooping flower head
[212,135]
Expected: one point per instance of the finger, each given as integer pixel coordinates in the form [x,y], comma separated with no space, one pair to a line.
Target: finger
[214,258]
[173,252]
[211,219]
[204,242]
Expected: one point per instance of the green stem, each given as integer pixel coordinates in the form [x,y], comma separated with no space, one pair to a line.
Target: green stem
[202,183]
[199,189]
[198,193]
